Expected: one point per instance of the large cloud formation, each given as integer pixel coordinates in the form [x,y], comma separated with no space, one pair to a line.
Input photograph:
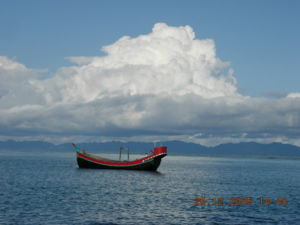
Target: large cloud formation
[163,85]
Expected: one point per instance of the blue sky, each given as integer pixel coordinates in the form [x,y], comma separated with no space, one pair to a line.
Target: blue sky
[158,75]
[259,38]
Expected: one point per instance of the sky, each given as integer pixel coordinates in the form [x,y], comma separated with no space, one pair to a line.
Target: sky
[207,72]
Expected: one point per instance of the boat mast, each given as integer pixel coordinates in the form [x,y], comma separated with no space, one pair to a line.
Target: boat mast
[121,149]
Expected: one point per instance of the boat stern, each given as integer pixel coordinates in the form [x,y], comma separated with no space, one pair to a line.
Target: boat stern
[162,150]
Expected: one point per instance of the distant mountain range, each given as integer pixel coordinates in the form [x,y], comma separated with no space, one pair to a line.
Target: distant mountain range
[174,148]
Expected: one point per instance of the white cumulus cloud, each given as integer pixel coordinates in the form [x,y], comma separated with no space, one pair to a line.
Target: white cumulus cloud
[168,61]
[16,83]
[293,95]
[163,84]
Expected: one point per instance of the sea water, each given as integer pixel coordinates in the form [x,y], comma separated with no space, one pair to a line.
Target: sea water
[48,188]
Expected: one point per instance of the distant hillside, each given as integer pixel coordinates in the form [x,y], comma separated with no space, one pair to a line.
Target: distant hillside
[25,145]
[174,147]
[252,148]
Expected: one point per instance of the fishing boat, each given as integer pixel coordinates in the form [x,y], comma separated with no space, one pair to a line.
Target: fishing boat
[149,162]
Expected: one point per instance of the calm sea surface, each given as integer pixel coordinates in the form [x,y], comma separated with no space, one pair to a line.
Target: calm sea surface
[48,188]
